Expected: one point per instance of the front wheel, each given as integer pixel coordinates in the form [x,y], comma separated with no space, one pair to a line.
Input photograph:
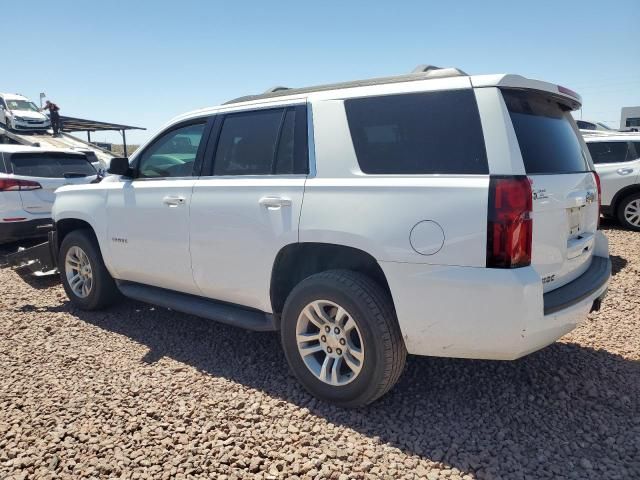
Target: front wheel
[629,212]
[84,276]
[341,338]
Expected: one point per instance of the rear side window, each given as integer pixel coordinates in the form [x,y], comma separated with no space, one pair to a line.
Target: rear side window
[51,165]
[610,152]
[418,133]
[262,142]
[545,133]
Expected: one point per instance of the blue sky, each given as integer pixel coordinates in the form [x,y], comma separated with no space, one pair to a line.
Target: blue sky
[143,62]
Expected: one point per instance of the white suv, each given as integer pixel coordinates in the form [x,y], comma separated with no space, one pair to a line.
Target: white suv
[21,114]
[434,213]
[617,161]
[29,177]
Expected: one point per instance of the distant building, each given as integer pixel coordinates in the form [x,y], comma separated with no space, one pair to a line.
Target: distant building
[630,119]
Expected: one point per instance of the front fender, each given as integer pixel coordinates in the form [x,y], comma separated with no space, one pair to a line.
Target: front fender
[88,204]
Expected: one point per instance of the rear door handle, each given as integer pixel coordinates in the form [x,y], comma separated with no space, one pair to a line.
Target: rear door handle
[624,171]
[274,203]
[173,200]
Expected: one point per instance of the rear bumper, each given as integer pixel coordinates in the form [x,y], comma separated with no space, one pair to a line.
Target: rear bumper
[486,313]
[583,287]
[15,231]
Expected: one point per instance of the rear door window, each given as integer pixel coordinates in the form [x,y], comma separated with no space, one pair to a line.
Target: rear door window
[418,133]
[51,165]
[610,152]
[263,142]
[548,142]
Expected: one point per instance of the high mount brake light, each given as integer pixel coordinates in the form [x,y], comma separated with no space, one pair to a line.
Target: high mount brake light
[12,184]
[568,91]
[509,225]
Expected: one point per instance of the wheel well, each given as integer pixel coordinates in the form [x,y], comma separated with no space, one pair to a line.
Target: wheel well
[68,225]
[622,194]
[298,261]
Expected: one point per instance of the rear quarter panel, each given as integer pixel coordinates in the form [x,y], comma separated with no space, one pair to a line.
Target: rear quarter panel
[377,213]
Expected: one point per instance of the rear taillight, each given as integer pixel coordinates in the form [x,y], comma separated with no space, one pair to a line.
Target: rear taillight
[597,177]
[509,226]
[12,184]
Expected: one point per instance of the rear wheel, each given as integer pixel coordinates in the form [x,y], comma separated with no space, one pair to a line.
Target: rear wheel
[629,212]
[341,338]
[84,277]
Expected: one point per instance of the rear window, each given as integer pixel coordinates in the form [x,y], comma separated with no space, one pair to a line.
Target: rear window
[418,133]
[51,165]
[545,133]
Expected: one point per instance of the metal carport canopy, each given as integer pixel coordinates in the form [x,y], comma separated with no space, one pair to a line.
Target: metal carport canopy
[72,124]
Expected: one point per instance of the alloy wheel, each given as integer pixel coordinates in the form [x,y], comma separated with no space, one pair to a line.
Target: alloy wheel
[330,342]
[78,271]
[632,212]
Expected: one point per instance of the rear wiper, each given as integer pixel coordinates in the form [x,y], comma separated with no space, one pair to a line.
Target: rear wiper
[73,175]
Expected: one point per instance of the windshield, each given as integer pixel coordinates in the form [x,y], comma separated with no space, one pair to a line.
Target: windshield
[21,105]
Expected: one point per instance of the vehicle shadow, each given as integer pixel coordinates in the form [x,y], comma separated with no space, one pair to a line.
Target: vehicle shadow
[37,282]
[618,264]
[562,410]
[610,223]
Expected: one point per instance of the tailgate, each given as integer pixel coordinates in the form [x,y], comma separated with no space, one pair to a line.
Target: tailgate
[565,219]
[565,196]
[41,200]
[51,170]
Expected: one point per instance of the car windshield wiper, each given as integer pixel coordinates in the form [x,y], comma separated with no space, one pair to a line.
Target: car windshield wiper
[74,175]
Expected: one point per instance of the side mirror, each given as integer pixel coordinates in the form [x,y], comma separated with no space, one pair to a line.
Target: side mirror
[120,166]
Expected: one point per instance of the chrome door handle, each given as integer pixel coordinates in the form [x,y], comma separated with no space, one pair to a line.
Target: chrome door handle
[624,171]
[275,202]
[173,200]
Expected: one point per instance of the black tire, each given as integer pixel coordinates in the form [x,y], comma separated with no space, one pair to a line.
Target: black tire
[371,308]
[103,291]
[620,211]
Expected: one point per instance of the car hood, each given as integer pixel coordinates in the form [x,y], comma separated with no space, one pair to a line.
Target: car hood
[31,115]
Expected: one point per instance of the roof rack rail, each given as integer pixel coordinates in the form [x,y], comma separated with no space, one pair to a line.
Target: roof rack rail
[438,71]
[421,72]
[277,88]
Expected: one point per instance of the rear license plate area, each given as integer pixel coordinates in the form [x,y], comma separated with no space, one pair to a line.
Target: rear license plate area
[575,220]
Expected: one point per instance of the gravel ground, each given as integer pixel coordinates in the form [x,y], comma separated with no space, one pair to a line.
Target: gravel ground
[142,392]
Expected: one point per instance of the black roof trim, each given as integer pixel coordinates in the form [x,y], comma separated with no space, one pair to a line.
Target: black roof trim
[421,72]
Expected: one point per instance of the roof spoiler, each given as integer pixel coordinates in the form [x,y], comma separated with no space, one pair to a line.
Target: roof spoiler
[565,95]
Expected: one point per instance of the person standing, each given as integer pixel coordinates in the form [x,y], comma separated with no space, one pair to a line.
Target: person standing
[54,115]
